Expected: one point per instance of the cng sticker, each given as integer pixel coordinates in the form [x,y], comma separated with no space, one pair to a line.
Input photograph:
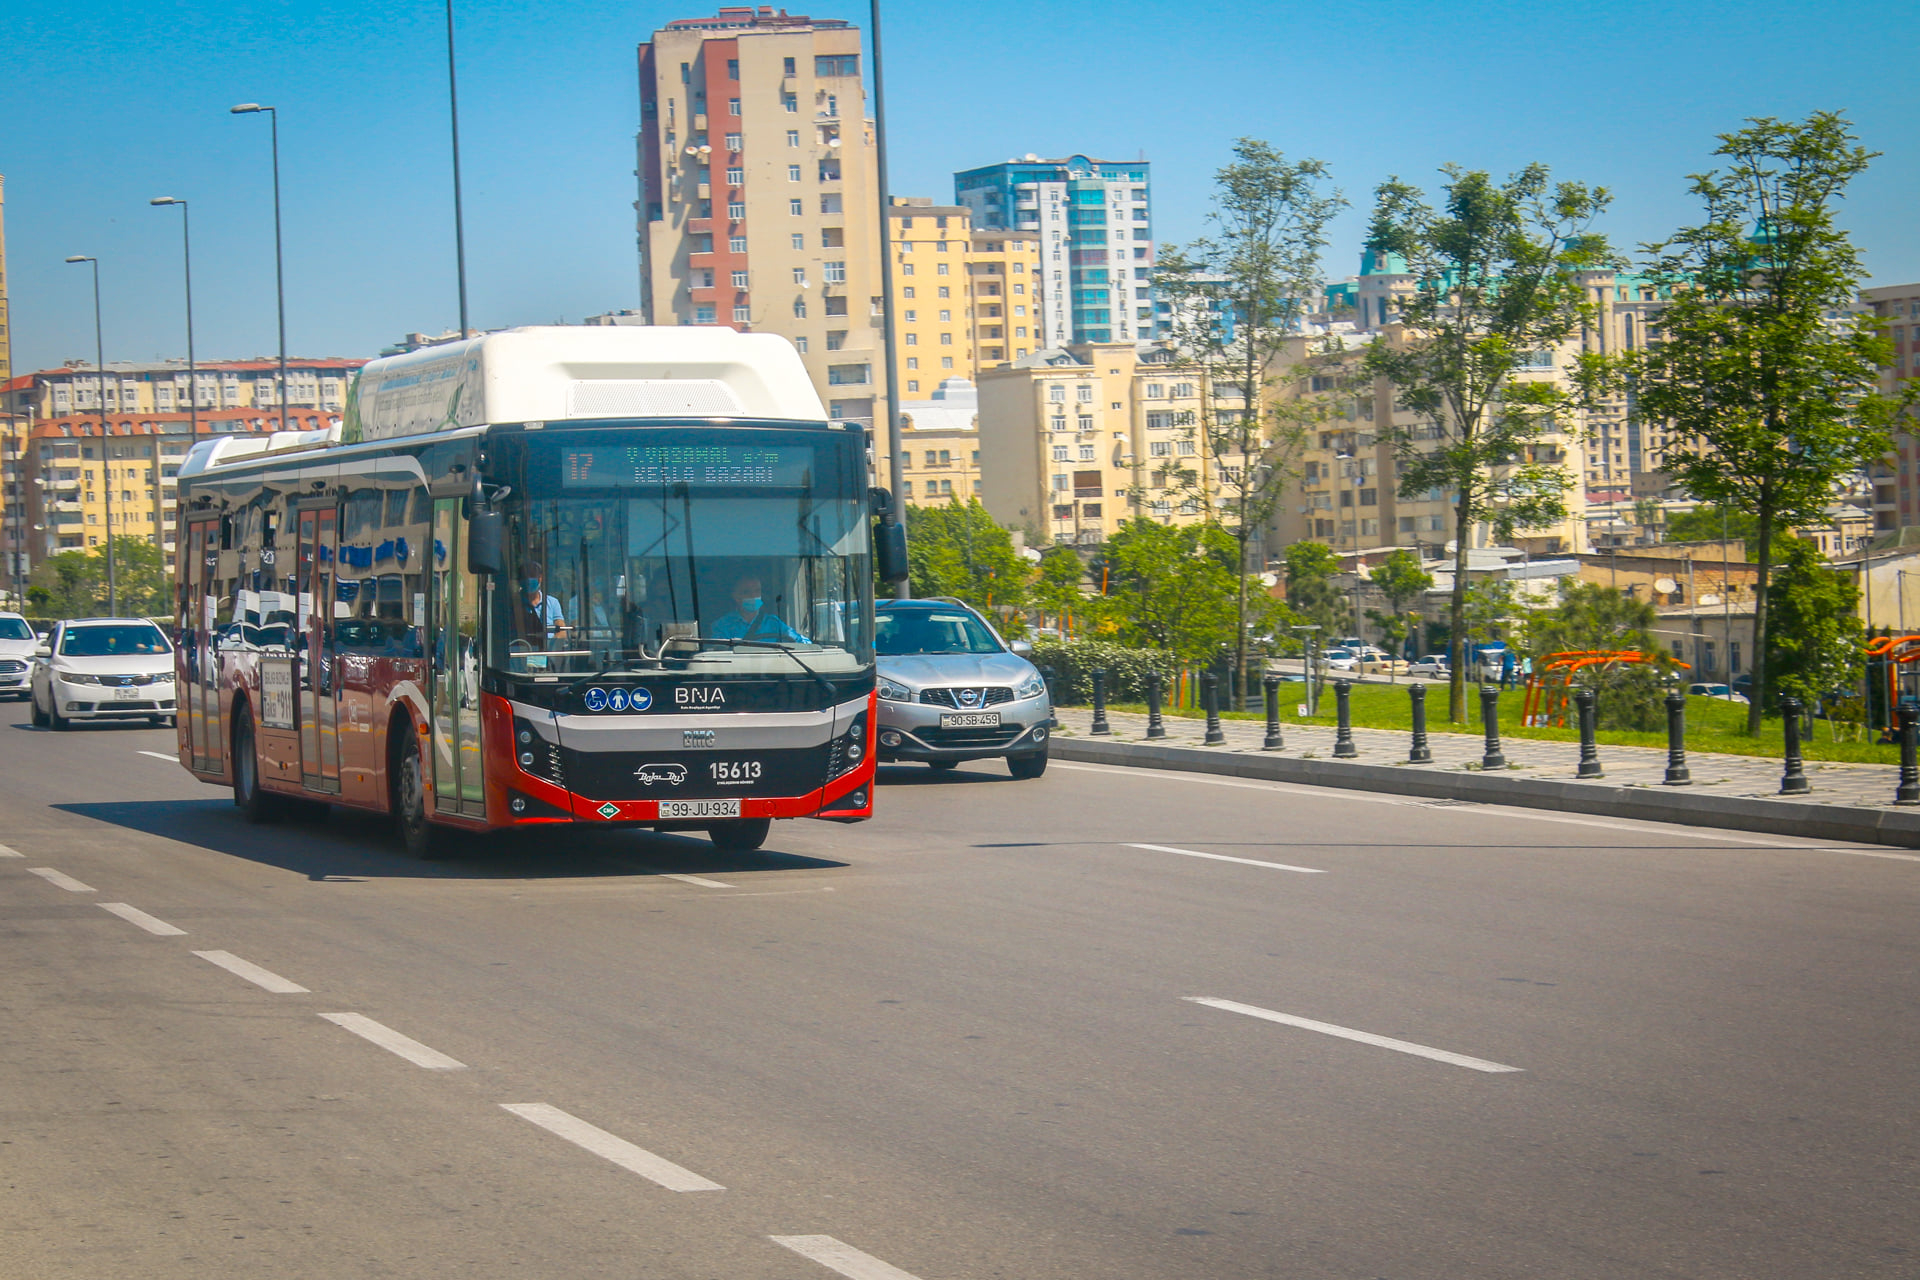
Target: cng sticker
[608,810]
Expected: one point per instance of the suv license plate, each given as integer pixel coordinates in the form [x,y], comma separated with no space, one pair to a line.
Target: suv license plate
[969,719]
[699,808]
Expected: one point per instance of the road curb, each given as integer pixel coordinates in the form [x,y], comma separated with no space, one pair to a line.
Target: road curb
[1900,827]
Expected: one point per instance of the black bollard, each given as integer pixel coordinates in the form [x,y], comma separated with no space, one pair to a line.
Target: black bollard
[1156,728]
[1793,781]
[1100,724]
[1677,775]
[1421,752]
[1272,686]
[1490,719]
[1343,748]
[1589,750]
[1211,684]
[1908,792]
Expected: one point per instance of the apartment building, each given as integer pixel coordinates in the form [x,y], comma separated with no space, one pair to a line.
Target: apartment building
[228,386]
[1896,482]
[1094,221]
[940,451]
[759,190]
[967,298]
[1076,440]
[6,310]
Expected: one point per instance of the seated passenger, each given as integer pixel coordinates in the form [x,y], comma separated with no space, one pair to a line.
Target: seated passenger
[749,620]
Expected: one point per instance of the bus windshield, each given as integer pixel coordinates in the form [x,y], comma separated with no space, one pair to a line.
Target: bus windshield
[747,548]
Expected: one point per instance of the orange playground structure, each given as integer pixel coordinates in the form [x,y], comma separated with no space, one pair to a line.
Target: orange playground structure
[1550,687]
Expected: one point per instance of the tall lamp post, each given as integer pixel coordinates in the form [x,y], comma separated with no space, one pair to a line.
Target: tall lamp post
[896,462]
[459,225]
[279,265]
[193,390]
[106,430]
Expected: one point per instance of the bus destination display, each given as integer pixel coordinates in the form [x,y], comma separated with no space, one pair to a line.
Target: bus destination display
[634,466]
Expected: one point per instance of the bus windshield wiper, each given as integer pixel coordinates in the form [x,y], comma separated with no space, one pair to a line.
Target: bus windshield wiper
[624,665]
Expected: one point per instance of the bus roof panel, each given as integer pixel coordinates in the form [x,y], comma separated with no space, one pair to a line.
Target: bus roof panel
[553,373]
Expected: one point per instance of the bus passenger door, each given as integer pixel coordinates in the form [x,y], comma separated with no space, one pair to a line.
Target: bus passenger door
[199,635]
[455,649]
[318,715]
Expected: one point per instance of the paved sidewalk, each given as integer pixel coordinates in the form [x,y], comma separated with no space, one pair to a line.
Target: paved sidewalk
[1852,785]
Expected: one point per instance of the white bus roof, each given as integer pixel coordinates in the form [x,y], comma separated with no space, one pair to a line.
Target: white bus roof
[553,373]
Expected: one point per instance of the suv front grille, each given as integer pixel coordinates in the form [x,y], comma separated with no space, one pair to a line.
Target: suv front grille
[11,666]
[991,696]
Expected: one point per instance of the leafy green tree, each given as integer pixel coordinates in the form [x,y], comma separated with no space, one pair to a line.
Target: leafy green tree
[1172,587]
[1240,298]
[1057,590]
[73,584]
[1711,522]
[1592,616]
[1817,637]
[1403,582]
[957,550]
[1769,396]
[1311,592]
[1496,274]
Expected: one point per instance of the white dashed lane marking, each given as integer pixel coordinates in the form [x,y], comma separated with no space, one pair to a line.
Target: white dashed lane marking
[134,915]
[844,1258]
[393,1042]
[605,1145]
[687,879]
[161,755]
[5,852]
[265,979]
[1348,1033]
[61,879]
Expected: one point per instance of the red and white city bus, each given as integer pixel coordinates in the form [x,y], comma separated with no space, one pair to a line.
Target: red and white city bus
[611,576]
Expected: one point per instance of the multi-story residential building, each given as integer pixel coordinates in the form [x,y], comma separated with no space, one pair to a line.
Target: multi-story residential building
[967,297]
[1896,481]
[940,454]
[84,478]
[6,311]
[759,190]
[1094,219]
[1075,440]
[225,385]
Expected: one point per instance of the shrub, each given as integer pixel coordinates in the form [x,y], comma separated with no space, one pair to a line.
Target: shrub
[1073,662]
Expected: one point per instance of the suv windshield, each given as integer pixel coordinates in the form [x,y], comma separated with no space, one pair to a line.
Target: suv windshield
[15,629]
[113,641]
[903,631]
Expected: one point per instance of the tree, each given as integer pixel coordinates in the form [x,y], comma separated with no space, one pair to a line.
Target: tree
[1311,593]
[959,551]
[1057,590]
[1769,396]
[1240,299]
[1495,284]
[1592,616]
[1711,522]
[73,584]
[1171,587]
[1818,637]
[1403,582]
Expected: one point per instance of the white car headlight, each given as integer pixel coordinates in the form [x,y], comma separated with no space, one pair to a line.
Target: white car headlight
[77,677]
[894,692]
[1032,687]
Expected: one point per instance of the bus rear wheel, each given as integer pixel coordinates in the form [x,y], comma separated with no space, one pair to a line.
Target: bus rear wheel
[740,835]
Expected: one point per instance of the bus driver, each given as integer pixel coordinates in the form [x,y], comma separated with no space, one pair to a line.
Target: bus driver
[750,620]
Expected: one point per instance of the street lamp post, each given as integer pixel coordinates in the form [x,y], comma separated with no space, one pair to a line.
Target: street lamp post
[895,461]
[279,263]
[193,391]
[106,429]
[459,225]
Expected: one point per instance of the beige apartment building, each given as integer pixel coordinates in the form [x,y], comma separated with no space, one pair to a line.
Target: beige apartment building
[967,297]
[940,453]
[162,387]
[759,191]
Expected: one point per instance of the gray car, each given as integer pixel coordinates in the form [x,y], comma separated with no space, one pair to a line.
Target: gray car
[952,690]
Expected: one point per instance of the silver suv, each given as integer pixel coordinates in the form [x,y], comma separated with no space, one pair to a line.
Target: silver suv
[952,690]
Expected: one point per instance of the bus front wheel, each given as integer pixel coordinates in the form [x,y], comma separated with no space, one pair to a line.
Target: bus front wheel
[253,803]
[741,835]
[410,807]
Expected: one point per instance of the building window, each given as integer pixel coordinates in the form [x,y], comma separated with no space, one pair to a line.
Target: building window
[1186,448]
[742,315]
[836,64]
[736,210]
[790,103]
[736,244]
[946,339]
[834,272]
[1057,393]
[830,203]
[800,308]
[913,384]
[913,362]
[946,362]
[1160,449]
[739,279]
[836,339]
[736,177]
[733,144]
[793,139]
[800,275]
[793,173]
[1059,453]
[913,339]
[848,375]
[799,240]
[941,269]
[733,106]
[733,69]
[836,305]
[703,313]
[800,345]
[798,209]
[787,66]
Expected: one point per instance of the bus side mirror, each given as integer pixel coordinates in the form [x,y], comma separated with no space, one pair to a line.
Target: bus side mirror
[880,501]
[890,550]
[486,542]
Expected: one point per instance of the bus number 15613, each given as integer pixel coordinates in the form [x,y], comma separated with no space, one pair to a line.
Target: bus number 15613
[734,770]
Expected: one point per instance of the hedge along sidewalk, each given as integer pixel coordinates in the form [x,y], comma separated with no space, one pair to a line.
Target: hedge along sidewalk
[1849,802]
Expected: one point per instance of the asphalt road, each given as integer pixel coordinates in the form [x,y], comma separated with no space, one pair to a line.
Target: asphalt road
[958,1042]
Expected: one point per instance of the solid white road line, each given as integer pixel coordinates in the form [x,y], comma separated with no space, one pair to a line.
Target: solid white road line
[134,915]
[393,1042]
[623,1153]
[161,755]
[1348,1033]
[844,1258]
[1221,857]
[10,853]
[264,978]
[686,879]
[61,879]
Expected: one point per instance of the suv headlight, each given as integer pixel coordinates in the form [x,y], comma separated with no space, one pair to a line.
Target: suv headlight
[1032,687]
[894,692]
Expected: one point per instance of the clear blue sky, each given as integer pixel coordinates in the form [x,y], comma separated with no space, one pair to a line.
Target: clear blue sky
[109,103]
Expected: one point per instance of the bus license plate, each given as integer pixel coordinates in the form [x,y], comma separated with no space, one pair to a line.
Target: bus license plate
[699,808]
[969,719]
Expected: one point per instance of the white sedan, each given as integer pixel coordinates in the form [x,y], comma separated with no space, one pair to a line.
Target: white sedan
[1433,667]
[103,669]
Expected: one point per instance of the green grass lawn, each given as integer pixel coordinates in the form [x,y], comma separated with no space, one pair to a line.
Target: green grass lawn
[1711,725]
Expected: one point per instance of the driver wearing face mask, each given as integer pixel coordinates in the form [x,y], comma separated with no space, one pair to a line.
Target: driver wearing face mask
[543,614]
[749,619]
